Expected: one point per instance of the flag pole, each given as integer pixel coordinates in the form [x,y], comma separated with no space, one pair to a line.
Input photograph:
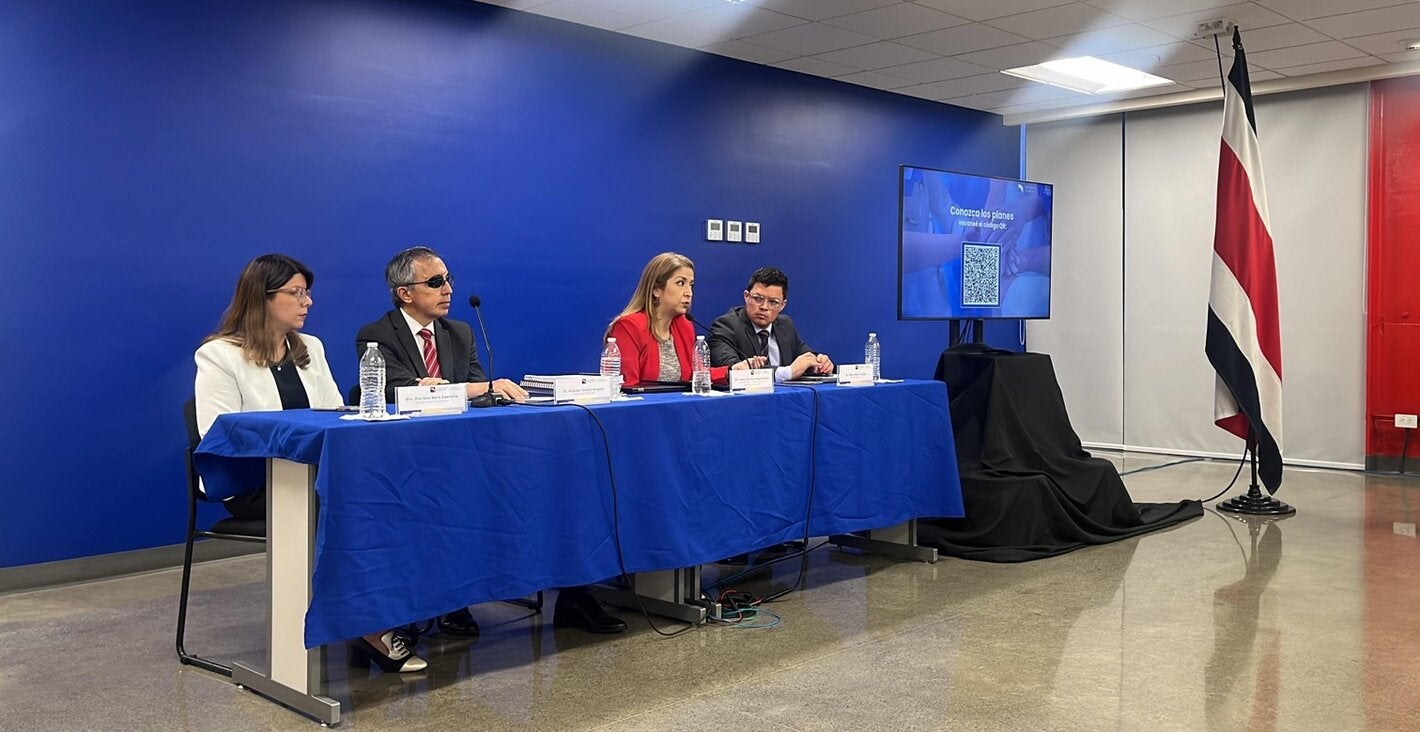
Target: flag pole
[1254,503]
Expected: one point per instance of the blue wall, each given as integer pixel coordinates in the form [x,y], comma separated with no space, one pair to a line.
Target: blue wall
[149,148]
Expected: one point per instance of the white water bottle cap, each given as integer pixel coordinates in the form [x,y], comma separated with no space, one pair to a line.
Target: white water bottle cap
[872,335]
[611,340]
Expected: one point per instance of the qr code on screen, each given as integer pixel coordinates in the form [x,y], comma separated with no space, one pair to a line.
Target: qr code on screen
[980,275]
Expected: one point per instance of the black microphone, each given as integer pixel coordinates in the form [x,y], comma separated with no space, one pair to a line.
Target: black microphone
[709,337]
[487,398]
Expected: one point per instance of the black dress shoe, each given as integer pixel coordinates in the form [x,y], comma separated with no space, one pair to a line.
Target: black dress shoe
[459,622]
[576,608]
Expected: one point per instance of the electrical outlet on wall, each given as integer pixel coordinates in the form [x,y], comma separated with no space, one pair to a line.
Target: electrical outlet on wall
[1405,421]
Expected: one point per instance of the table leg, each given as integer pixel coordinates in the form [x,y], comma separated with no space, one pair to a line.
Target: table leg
[296,672]
[895,541]
[671,593]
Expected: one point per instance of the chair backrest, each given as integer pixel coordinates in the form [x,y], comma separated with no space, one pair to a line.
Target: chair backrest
[189,417]
[353,396]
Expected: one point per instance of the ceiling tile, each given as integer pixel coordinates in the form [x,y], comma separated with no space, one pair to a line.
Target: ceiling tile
[1197,70]
[934,70]
[1370,22]
[516,4]
[1149,59]
[651,10]
[979,84]
[816,67]
[1307,9]
[1111,40]
[1280,36]
[1312,53]
[962,39]
[584,14]
[736,21]
[1075,18]
[1009,57]
[1322,68]
[809,39]
[747,52]
[988,9]
[821,9]
[1246,15]
[876,55]
[1146,10]
[895,21]
[1253,75]
[1026,95]
[668,31]
[874,80]
[1384,43]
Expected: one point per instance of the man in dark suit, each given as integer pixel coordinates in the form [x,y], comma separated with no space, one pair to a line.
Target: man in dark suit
[422,347]
[761,329]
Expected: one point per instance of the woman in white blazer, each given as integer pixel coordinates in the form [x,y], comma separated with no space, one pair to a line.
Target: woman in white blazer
[258,360]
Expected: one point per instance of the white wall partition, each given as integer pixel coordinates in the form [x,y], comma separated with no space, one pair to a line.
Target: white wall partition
[1314,160]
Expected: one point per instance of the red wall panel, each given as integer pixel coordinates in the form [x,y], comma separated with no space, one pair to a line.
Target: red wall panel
[1393,317]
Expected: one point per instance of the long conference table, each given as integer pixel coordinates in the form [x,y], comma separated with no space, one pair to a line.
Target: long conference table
[376,525]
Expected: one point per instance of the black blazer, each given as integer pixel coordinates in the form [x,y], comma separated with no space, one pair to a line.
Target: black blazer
[732,339]
[404,357]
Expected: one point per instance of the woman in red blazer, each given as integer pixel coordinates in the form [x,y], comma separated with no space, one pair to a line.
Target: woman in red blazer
[654,324]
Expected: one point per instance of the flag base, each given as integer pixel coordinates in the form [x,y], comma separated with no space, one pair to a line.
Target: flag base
[1256,504]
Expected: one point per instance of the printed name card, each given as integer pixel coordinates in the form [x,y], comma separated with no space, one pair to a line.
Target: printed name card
[581,390]
[439,399]
[752,381]
[855,374]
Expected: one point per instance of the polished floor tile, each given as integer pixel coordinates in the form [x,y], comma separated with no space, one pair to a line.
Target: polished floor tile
[1299,624]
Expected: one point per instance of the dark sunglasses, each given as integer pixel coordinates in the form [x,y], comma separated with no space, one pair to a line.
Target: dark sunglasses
[435,282]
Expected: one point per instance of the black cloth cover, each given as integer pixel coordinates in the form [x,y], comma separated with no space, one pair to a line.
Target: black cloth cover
[1029,488]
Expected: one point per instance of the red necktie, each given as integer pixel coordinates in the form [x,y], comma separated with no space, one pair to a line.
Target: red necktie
[431,358]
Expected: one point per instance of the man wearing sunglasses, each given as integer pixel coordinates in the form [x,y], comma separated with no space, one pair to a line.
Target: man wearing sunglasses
[761,328]
[420,344]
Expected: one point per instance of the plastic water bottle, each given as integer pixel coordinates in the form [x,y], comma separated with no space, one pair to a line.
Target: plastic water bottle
[873,355]
[611,366]
[700,367]
[372,382]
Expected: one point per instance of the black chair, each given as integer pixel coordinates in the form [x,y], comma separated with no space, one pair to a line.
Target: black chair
[229,529]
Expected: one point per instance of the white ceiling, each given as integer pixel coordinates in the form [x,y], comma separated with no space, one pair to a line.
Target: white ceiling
[952,50]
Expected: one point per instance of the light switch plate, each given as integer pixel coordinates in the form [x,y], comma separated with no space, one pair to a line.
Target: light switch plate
[714,230]
[734,230]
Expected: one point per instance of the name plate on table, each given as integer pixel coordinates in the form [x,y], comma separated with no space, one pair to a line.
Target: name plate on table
[575,388]
[438,399]
[855,374]
[752,381]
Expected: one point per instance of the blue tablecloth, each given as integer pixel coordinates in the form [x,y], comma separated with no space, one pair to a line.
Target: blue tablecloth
[424,516]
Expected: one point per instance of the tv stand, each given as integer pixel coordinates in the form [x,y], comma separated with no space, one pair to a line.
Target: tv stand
[977,334]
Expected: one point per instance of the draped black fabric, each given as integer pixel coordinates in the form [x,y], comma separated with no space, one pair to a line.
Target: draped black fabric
[1030,489]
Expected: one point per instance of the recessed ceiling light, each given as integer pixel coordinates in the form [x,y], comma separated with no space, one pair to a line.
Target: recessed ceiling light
[1087,75]
[1411,44]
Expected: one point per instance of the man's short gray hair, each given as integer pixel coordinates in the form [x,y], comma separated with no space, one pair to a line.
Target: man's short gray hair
[400,271]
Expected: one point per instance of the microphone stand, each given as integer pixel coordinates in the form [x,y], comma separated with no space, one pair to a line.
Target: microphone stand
[487,398]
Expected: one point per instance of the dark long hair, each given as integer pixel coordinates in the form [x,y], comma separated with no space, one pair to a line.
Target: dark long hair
[245,322]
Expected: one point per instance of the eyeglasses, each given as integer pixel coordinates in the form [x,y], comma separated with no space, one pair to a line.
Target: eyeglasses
[436,282]
[772,302]
[300,293]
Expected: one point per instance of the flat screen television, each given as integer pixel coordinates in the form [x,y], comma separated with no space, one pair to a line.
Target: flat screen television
[972,246]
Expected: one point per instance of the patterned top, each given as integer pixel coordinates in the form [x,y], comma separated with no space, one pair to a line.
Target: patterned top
[670,362]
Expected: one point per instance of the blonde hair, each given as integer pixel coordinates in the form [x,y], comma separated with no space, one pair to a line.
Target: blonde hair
[657,273]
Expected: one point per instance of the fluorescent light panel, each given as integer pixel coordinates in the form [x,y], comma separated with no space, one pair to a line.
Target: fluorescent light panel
[1087,75]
